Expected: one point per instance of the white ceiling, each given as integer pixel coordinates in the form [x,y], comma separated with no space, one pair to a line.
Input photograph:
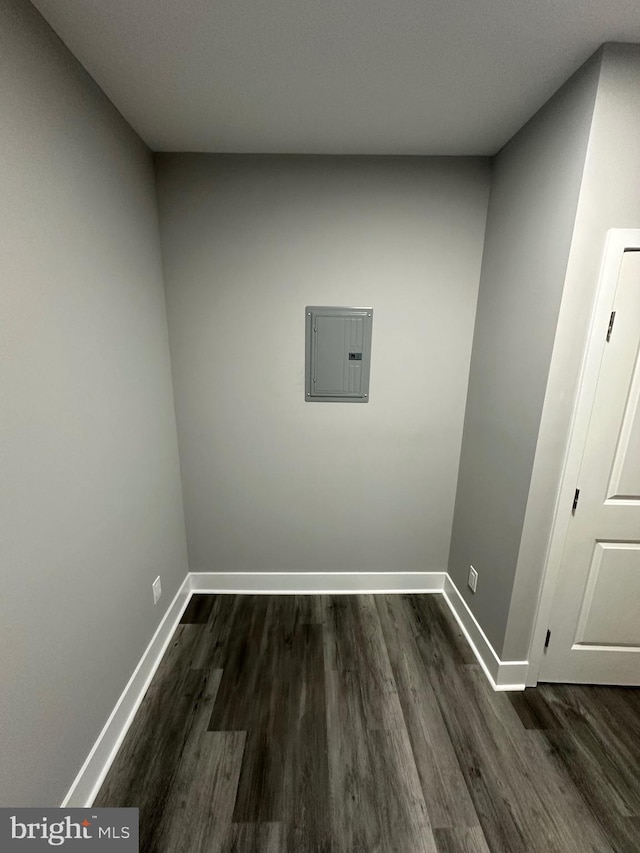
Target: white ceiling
[334,76]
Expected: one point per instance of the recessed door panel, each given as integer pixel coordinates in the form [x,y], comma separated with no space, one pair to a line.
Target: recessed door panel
[610,615]
[625,474]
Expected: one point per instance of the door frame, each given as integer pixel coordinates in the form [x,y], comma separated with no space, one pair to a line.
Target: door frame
[617,242]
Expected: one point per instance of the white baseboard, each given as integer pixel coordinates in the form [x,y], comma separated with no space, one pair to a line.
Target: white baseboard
[325,583]
[92,773]
[502,675]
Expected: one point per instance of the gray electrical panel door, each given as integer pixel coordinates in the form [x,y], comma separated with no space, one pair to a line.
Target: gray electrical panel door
[338,353]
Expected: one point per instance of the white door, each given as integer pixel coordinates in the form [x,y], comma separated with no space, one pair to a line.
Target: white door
[595,621]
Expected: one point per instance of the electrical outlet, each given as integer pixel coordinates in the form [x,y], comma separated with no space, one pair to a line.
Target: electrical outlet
[157,590]
[473,579]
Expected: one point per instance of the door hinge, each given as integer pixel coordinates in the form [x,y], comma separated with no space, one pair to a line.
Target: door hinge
[575,502]
[611,322]
[547,638]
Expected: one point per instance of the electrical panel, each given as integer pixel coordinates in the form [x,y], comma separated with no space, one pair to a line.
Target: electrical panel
[338,354]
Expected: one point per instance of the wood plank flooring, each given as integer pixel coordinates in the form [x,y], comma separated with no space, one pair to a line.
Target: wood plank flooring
[363,724]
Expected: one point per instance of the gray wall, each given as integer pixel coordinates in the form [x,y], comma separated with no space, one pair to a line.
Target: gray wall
[534,196]
[272,483]
[609,198]
[90,497]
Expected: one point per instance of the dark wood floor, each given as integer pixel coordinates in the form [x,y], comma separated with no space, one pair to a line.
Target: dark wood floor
[362,723]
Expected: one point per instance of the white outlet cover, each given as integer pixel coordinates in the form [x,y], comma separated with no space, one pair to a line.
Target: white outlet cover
[157,590]
[473,579]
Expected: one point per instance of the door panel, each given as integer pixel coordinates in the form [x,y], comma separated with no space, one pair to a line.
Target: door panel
[595,621]
[613,588]
[625,474]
